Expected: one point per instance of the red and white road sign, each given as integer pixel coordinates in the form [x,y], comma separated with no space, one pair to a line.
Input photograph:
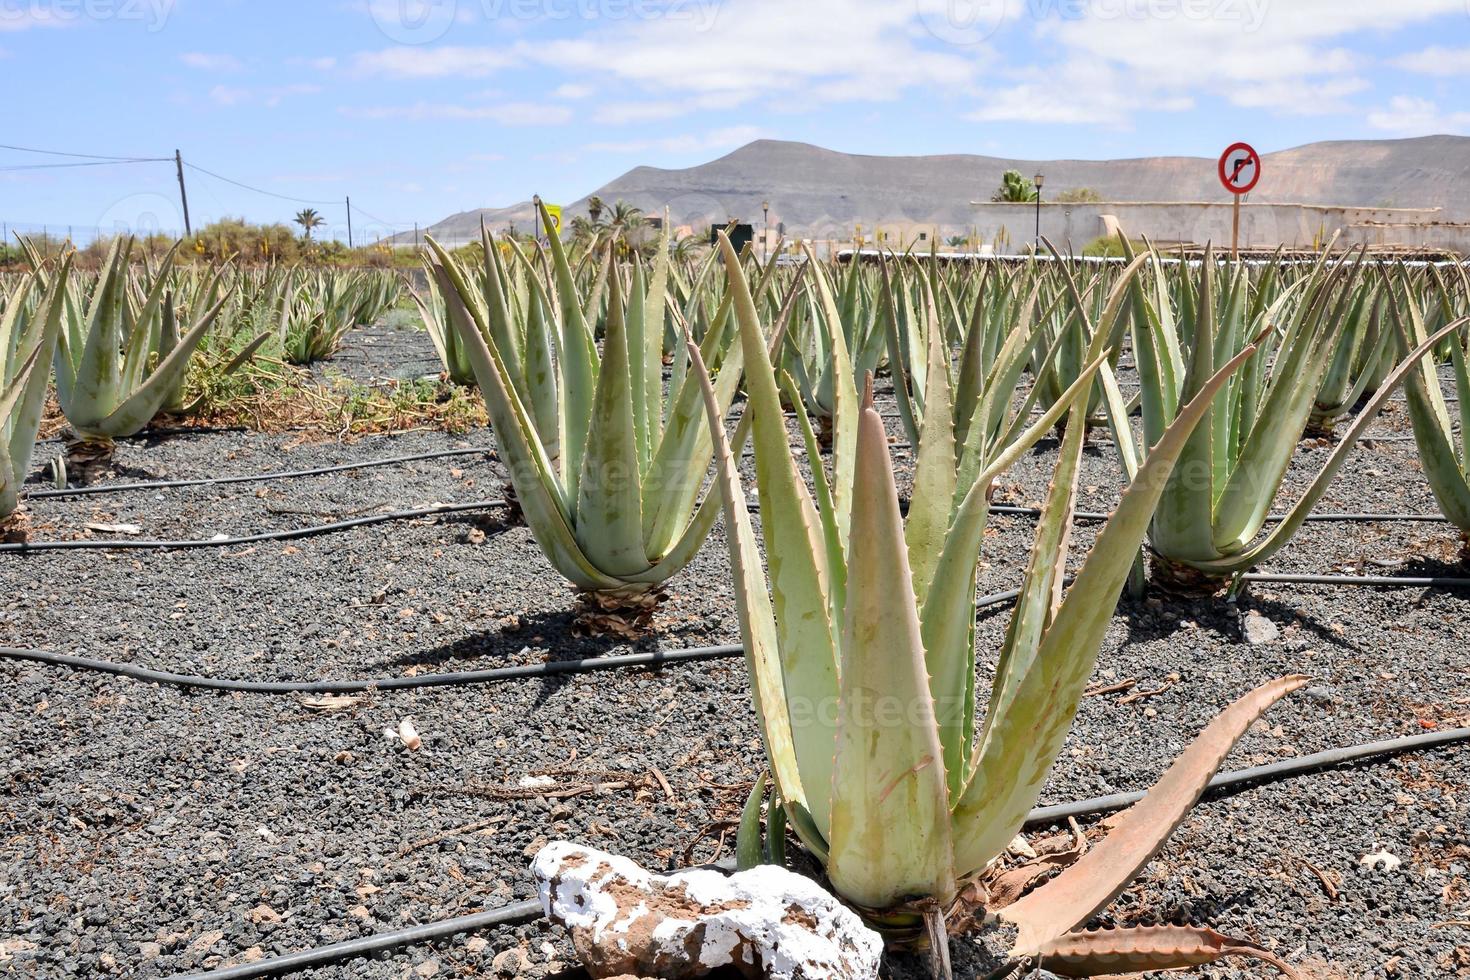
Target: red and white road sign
[1240,168]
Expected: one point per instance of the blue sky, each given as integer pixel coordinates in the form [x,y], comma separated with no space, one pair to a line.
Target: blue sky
[420,108]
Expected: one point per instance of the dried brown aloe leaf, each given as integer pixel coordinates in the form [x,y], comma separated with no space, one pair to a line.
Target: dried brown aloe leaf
[1100,951]
[1085,888]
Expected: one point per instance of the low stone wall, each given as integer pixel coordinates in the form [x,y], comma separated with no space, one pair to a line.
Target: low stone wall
[1261,225]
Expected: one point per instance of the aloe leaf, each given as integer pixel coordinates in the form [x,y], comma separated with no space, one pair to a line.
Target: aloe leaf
[757,622]
[579,360]
[610,491]
[934,473]
[890,805]
[1084,889]
[748,848]
[798,566]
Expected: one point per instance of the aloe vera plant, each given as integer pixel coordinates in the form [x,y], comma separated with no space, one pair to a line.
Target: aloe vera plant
[1218,503]
[30,322]
[1363,358]
[607,467]
[121,356]
[442,335]
[861,653]
[1444,453]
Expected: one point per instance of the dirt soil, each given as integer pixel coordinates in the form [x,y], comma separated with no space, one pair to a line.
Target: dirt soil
[147,831]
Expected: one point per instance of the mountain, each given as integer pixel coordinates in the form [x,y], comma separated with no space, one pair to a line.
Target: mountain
[823,193]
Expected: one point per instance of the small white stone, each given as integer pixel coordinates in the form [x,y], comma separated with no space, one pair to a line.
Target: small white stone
[1380,859]
[1259,630]
[627,920]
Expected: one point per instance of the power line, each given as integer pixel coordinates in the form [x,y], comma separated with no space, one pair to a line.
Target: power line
[85,156]
[90,163]
[258,190]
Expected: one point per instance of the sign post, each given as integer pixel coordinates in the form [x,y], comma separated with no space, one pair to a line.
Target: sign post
[1240,171]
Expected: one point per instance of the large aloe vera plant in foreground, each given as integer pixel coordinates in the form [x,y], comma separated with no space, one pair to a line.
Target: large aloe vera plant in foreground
[866,692]
[30,321]
[606,466]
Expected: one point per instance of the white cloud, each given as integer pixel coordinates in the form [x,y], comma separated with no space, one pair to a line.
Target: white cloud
[1285,58]
[1435,60]
[325,63]
[228,95]
[860,48]
[505,113]
[210,62]
[573,91]
[1410,116]
[423,62]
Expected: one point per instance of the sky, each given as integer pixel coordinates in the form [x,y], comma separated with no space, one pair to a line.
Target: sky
[418,109]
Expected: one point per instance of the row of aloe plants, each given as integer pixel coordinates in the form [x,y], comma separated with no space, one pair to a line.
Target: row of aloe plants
[858,619]
[120,344]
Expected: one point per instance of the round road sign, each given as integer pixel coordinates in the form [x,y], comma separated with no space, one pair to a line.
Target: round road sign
[1240,168]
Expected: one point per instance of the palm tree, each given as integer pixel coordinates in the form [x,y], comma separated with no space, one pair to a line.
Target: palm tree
[1014,189]
[308,219]
[594,209]
[625,218]
[685,248]
[583,229]
[956,241]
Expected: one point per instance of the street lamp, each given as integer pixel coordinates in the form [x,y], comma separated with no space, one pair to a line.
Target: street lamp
[766,235]
[1039,179]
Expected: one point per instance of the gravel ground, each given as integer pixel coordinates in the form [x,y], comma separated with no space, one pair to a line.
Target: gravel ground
[147,832]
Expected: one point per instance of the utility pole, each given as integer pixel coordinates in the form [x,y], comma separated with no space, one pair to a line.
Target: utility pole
[183,194]
[415,236]
[349,221]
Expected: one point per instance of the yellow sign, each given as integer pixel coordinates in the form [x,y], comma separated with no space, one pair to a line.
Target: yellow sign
[554,210]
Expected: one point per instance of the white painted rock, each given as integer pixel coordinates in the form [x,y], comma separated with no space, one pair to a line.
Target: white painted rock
[765,923]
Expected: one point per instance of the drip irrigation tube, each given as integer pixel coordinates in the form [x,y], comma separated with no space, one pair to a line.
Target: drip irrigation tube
[224,542]
[587,665]
[1044,815]
[549,669]
[516,914]
[1272,519]
[523,912]
[250,478]
[1370,581]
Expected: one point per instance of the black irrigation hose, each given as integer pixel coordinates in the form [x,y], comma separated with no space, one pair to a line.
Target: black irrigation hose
[1277,770]
[292,535]
[657,658]
[251,478]
[523,912]
[548,669]
[516,914]
[1273,519]
[1370,581]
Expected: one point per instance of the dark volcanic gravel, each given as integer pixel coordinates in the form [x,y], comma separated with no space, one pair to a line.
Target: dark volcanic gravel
[146,831]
